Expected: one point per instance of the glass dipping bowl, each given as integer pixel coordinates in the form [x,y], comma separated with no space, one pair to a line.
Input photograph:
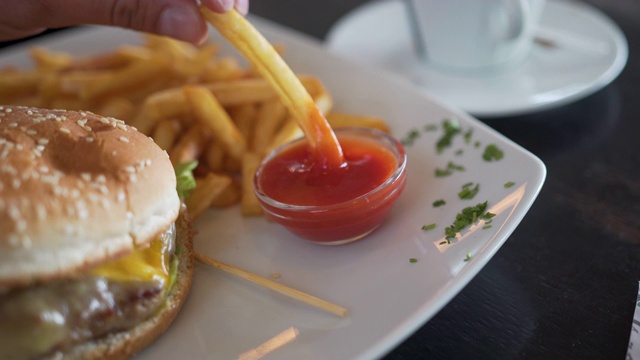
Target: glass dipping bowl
[346,221]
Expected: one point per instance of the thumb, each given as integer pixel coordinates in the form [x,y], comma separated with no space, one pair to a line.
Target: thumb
[176,18]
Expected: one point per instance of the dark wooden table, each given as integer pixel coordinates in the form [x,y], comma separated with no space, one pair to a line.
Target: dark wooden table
[564,284]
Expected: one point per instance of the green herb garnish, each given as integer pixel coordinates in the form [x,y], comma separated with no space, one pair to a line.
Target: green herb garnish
[492,152]
[428,227]
[486,227]
[413,260]
[439,203]
[184,178]
[448,170]
[451,128]
[410,138]
[467,136]
[468,256]
[468,192]
[509,184]
[459,152]
[468,216]
[477,144]
[444,242]
[430,127]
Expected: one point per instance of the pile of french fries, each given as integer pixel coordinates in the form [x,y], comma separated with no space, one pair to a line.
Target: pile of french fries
[194,102]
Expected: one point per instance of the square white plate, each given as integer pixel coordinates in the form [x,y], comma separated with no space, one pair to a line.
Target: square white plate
[388,296]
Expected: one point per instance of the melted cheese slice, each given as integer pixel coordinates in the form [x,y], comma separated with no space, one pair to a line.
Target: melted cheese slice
[148,264]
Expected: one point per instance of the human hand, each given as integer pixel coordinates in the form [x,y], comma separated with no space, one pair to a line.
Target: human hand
[176,18]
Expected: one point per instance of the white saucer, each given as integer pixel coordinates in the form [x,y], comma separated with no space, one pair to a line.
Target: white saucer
[590,51]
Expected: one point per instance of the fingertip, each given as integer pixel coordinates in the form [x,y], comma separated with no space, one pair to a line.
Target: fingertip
[219,6]
[182,23]
[242,6]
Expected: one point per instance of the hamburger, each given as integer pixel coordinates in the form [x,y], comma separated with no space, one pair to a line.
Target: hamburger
[96,257]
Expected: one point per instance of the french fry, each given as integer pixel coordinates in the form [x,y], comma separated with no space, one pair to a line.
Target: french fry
[224,69]
[166,133]
[207,189]
[240,33]
[270,117]
[229,197]
[244,116]
[18,83]
[215,157]
[338,120]
[170,103]
[250,204]
[117,81]
[288,132]
[47,60]
[190,146]
[116,107]
[210,113]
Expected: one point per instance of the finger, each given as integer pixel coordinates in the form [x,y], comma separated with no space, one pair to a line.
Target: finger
[175,18]
[219,5]
[242,6]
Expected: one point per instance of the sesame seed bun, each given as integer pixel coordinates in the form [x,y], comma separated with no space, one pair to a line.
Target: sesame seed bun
[76,190]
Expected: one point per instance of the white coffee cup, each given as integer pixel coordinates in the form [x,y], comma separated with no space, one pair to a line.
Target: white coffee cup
[474,36]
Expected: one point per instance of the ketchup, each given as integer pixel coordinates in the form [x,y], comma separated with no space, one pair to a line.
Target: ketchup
[332,204]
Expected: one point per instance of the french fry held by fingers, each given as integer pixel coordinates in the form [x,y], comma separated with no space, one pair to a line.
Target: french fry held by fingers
[207,189]
[240,33]
[209,112]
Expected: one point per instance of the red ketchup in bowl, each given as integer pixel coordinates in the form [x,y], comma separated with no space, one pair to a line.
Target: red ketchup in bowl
[333,205]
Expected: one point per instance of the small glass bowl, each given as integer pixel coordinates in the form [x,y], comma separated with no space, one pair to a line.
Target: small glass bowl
[343,222]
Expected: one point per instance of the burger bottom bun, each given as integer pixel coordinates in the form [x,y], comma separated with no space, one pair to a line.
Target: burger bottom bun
[124,344]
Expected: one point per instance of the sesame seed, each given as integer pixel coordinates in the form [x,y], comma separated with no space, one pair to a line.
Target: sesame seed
[85,176]
[104,120]
[65,130]
[41,211]
[101,179]
[31,132]
[9,110]
[133,178]
[44,169]
[20,147]
[13,125]
[123,139]
[89,139]
[130,169]
[43,141]
[16,183]
[21,225]
[121,196]
[40,148]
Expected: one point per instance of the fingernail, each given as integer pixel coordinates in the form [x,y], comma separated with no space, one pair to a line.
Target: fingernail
[243,6]
[181,23]
[226,5]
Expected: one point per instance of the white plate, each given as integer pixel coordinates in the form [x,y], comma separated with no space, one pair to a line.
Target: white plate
[591,51]
[388,296]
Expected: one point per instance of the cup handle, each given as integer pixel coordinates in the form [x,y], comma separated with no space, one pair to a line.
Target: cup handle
[517,17]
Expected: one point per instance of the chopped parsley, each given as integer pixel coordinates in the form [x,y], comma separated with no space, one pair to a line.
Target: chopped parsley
[410,138]
[430,127]
[486,227]
[509,184]
[444,242]
[477,144]
[468,216]
[459,152]
[449,169]
[467,136]
[439,203]
[468,191]
[468,256]
[428,227]
[492,152]
[451,129]
[413,260]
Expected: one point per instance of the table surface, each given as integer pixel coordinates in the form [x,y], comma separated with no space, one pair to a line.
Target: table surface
[564,284]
